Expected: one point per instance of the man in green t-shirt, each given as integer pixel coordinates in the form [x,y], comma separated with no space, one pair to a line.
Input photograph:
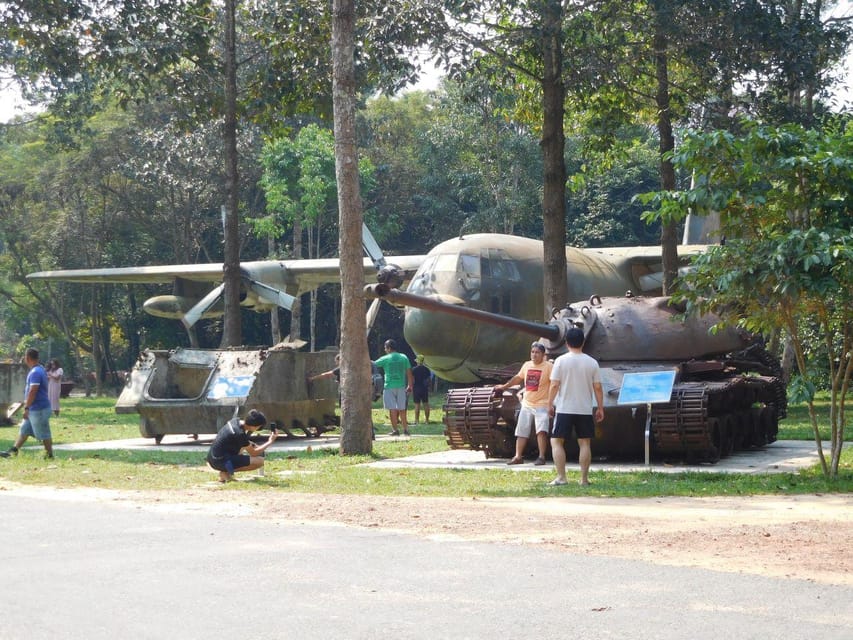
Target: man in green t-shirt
[398,384]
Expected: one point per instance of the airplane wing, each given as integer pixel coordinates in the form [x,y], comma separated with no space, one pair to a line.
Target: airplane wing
[197,288]
[150,274]
[302,275]
[643,266]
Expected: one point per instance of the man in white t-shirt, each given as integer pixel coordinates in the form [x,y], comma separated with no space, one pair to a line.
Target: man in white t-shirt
[575,378]
[533,417]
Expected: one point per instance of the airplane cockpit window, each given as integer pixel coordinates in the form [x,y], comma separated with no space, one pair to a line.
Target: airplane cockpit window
[425,270]
[498,271]
[469,275]
[495,264]
[469,265]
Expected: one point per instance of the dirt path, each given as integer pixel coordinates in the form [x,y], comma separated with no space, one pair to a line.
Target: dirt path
[804,537]
[800,537]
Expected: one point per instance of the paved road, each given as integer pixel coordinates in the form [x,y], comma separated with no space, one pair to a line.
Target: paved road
[83,569]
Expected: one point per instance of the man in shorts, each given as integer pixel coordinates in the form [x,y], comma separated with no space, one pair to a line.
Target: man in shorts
[533,417]
[398,384]
[37,408]
[421,377]
[575,378]
[233,451]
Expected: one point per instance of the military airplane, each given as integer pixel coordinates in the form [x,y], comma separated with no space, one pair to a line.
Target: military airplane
[491,272]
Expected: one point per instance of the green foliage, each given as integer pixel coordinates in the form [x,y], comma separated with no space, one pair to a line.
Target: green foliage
[601,209]
[299,178]
[299,184]
[784,197]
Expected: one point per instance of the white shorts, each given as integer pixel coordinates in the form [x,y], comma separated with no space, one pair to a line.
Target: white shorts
[528,417]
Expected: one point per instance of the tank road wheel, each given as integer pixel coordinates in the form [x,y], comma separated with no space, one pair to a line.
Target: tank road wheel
[715,448]
[770,419]
[747,425]
[726,443]
[738,432]
[759,428]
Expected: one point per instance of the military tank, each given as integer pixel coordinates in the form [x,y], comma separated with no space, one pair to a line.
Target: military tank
[728,392]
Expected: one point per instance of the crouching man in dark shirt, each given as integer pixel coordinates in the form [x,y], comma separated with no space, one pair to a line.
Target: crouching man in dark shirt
[232,450]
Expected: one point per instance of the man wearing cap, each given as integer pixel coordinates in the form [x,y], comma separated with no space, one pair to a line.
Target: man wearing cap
[535,374]
[398,385]
[575,379]
[421,376]
[226,453]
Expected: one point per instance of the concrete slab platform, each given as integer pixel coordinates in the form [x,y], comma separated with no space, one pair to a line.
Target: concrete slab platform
[783,456]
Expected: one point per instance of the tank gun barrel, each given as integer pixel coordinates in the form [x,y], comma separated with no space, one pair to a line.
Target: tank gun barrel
[552,332]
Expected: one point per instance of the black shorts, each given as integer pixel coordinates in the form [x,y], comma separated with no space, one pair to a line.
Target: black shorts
[420,394]
[239,461]
[565,423]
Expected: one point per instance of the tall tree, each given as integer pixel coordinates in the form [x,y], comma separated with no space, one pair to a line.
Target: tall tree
[232,333]
[301,193]
[526,38]
[555,284]
[356,422]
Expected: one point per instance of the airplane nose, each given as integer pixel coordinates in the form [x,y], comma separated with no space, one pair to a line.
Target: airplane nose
[445,340]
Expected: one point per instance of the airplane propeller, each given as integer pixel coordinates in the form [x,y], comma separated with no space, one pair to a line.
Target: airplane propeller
[386,273]
[197,311]
[275,296]
[272,294]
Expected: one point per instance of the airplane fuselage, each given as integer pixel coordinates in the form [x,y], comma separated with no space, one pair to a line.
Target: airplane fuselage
[504,275]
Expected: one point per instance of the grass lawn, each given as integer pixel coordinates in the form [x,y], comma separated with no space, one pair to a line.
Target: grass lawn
[93,420]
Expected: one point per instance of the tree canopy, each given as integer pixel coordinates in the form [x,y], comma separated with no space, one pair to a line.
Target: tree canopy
[785,198]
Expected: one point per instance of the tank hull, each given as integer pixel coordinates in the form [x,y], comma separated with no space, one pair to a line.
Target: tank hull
[728,393]
[195,391]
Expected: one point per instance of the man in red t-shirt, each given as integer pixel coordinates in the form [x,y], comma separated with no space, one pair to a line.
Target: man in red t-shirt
[536,376]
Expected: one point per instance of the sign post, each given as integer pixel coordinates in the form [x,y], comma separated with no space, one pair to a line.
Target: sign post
[647,387]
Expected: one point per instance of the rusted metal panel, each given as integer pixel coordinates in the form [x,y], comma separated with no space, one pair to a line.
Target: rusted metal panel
[13,378]
[194,391]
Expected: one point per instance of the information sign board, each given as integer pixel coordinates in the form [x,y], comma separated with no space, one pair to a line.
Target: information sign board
[646,387]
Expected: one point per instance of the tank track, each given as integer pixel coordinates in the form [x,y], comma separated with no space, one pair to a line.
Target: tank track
[711,420]
[704,420]
[475,418]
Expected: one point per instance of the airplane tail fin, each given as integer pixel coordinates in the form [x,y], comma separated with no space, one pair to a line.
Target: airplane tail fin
[702,229]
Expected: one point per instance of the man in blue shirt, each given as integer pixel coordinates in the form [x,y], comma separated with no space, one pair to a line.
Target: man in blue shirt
[37,409]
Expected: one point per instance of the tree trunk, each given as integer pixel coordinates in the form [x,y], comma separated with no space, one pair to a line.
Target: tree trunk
[555,282]
[668,233]
[296,309]
[97,361]
[275,323]
[232,330]
[356,423]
